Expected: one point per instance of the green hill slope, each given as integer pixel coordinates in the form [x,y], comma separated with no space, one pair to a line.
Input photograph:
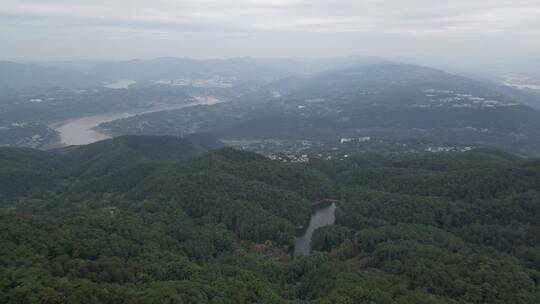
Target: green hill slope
[218,227]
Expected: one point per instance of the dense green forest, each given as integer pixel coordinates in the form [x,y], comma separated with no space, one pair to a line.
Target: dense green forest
[122,221]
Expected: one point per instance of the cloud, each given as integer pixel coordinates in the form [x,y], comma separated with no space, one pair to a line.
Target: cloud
[222,28]
[403,16]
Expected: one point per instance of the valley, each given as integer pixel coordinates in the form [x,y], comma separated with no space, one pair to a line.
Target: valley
[269,152]
[268,181]
[323,215]
[83,130]
[393,103]
[404,108]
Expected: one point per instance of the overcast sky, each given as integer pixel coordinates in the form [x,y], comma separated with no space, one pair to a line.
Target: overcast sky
[468,31]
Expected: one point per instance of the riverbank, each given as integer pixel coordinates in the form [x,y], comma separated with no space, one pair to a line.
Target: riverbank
[84,130]
[323,215]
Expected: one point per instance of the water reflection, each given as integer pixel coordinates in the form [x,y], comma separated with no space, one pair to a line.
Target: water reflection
[323,215]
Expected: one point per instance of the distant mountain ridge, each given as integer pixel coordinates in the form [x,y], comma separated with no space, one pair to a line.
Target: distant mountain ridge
[31,75]
[244,69]
[374,78]
[385,100]
[85,73]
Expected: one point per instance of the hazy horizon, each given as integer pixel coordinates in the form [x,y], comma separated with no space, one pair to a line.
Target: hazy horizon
[497,34]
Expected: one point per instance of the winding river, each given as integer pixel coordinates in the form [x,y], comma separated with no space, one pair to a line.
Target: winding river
[82,130]
[323,215]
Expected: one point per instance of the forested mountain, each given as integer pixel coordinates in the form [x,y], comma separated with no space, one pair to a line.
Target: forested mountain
[82,73]
[524,95]
[122,221]
[349,83]
[384,100]
[14,75]
[244,69]
[145,147]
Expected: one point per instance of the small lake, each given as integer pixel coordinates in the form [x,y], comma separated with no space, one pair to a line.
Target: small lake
[82,130]
[323,215]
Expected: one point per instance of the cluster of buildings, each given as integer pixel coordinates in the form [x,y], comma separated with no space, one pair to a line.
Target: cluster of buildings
[439,98]
[359,139]
[214,82]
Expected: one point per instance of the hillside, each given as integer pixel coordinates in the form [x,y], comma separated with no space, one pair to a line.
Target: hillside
[387,101]
[145,147]
[14,75]
[218,228]
[259,70]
